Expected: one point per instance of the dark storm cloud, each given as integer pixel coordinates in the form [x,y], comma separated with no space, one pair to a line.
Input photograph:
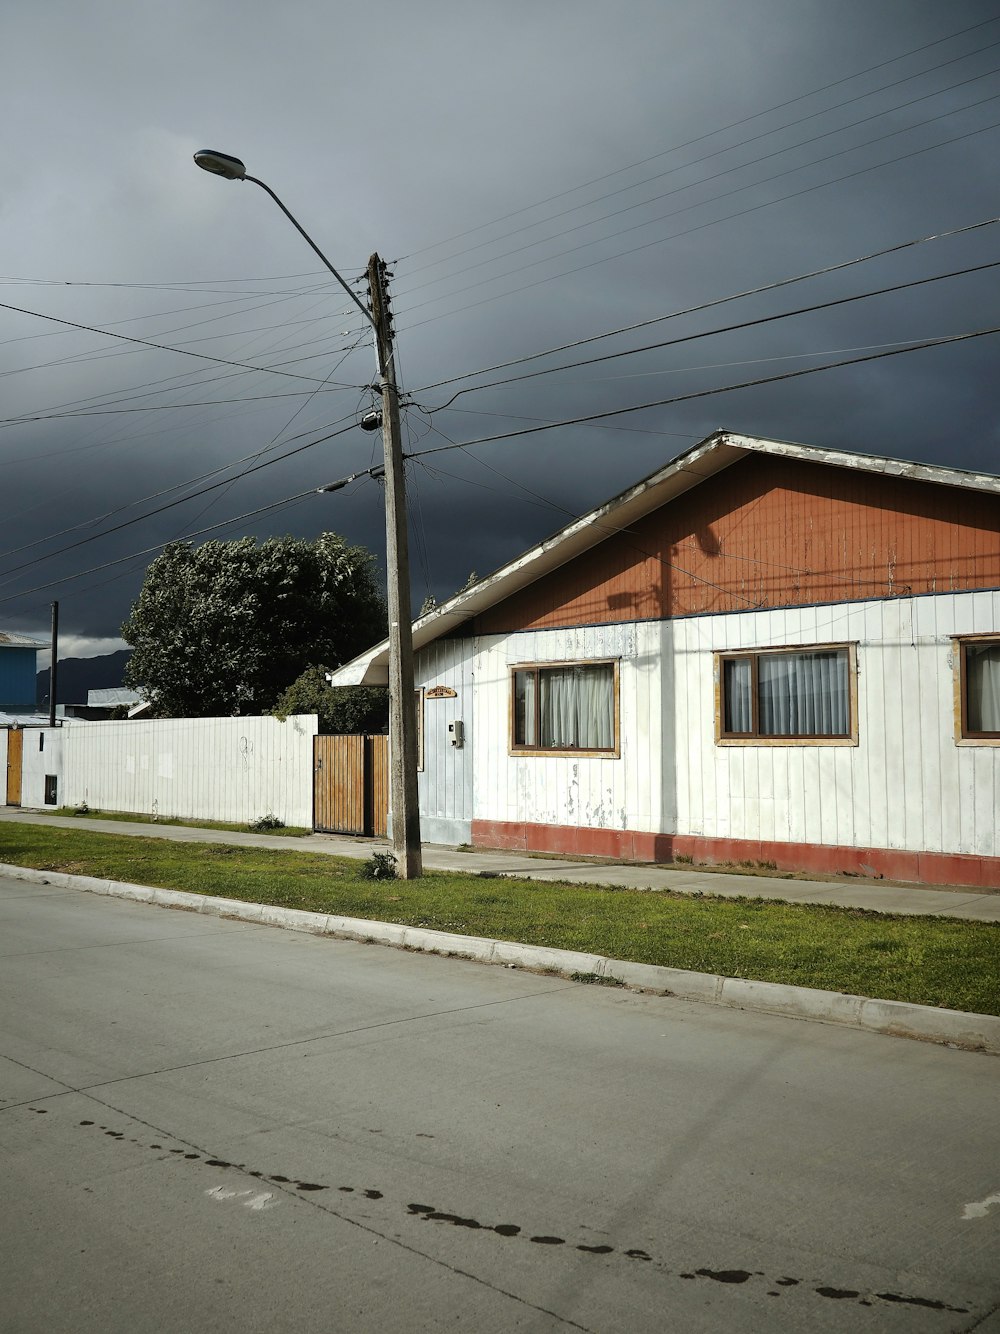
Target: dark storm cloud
[433,140]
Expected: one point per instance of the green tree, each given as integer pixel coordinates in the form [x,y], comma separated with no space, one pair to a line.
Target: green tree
[224,628]
[346,710]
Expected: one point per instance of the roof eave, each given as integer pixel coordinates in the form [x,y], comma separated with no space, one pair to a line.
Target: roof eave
[704,460]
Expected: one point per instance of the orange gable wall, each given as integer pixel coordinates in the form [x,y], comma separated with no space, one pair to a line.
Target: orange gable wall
[772,532]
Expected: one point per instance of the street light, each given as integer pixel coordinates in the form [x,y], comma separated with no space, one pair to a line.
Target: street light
[402,711]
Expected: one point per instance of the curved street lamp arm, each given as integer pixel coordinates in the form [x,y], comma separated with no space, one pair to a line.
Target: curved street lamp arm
[305,235]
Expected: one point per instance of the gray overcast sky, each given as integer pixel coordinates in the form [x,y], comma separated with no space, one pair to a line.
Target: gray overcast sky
[537,173]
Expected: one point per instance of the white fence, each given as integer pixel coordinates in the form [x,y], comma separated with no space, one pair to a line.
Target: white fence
[229,769]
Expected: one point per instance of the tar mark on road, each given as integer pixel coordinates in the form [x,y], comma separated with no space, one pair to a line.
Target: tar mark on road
[430,1213]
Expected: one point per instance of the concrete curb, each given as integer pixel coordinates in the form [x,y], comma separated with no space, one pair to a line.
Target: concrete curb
[974,1032]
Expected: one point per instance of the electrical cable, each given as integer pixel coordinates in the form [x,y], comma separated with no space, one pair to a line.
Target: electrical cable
[725,194]
[223,523]
[159,347]
[121,560]
[520,416]
[241,309]
[739,166]
[166,491]
[5,575]
[745,120]
[721,389]
[723,329]
[277,436]
[172,383]
[728,217]
[717,301]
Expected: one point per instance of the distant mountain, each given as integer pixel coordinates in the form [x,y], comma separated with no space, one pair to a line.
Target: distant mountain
[75,676]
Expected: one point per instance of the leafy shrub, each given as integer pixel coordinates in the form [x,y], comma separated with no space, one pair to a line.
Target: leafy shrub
[380,866]
[265,822]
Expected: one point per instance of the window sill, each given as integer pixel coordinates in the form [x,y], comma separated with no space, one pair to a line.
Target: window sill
[530,752]
[795,741]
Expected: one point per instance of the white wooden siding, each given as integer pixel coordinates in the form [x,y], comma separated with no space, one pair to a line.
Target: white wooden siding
[906,785]
[445,785]
[229,769]
[35,764]
[576,790]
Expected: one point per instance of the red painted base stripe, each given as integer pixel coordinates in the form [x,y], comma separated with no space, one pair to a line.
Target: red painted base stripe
[925,868]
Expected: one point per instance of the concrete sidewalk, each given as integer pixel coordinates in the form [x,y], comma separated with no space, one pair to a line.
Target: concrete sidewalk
[874,895]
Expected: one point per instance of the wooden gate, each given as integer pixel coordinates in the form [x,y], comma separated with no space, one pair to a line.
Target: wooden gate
[15,748]
[351,784]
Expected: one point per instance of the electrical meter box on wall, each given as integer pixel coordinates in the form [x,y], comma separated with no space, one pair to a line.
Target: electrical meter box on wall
[456,733]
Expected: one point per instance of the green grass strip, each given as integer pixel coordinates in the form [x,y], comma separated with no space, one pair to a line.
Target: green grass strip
[128,817]
[923,960]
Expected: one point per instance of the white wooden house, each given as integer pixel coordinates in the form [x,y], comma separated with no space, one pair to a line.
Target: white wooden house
[763,652]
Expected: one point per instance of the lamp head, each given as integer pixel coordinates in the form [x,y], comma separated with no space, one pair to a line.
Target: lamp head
[220,164]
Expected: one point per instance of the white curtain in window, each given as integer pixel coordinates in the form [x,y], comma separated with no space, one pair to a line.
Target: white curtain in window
[982,680]
[736,678]
[803,694]
[577,708]
[524,709]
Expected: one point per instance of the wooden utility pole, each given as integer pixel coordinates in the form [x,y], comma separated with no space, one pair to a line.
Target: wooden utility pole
[54,664]
[402,713]
[403,797]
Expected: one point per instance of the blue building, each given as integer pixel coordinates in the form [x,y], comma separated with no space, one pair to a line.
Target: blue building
[18,672]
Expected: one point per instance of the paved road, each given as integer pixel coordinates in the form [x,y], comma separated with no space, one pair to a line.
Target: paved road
[208,1125]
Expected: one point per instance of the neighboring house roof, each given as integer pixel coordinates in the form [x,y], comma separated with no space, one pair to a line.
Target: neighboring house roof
[19,641]
[698,464]
[29,718]
[112,698]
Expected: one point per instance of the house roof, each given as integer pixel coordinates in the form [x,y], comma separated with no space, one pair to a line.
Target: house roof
[688,470]
[112,697]
[19,641]
[29,717]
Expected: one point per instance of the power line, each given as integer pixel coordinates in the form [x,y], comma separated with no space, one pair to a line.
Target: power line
[182,285]
[725,194]
[745,120]
[121,560]
[739,166]
[159,347]
[519,416]
[166,491]
[212,528]
[728,217]
[320,388]
[61,551]
[241,307]
[301,408]
[718,301]
[705,393]
[723,329]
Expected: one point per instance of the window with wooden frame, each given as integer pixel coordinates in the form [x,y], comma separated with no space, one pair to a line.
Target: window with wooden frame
[803,696]
[977,711]
[564,708]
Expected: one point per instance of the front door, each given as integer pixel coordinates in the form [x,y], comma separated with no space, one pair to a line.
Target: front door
[15,748]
